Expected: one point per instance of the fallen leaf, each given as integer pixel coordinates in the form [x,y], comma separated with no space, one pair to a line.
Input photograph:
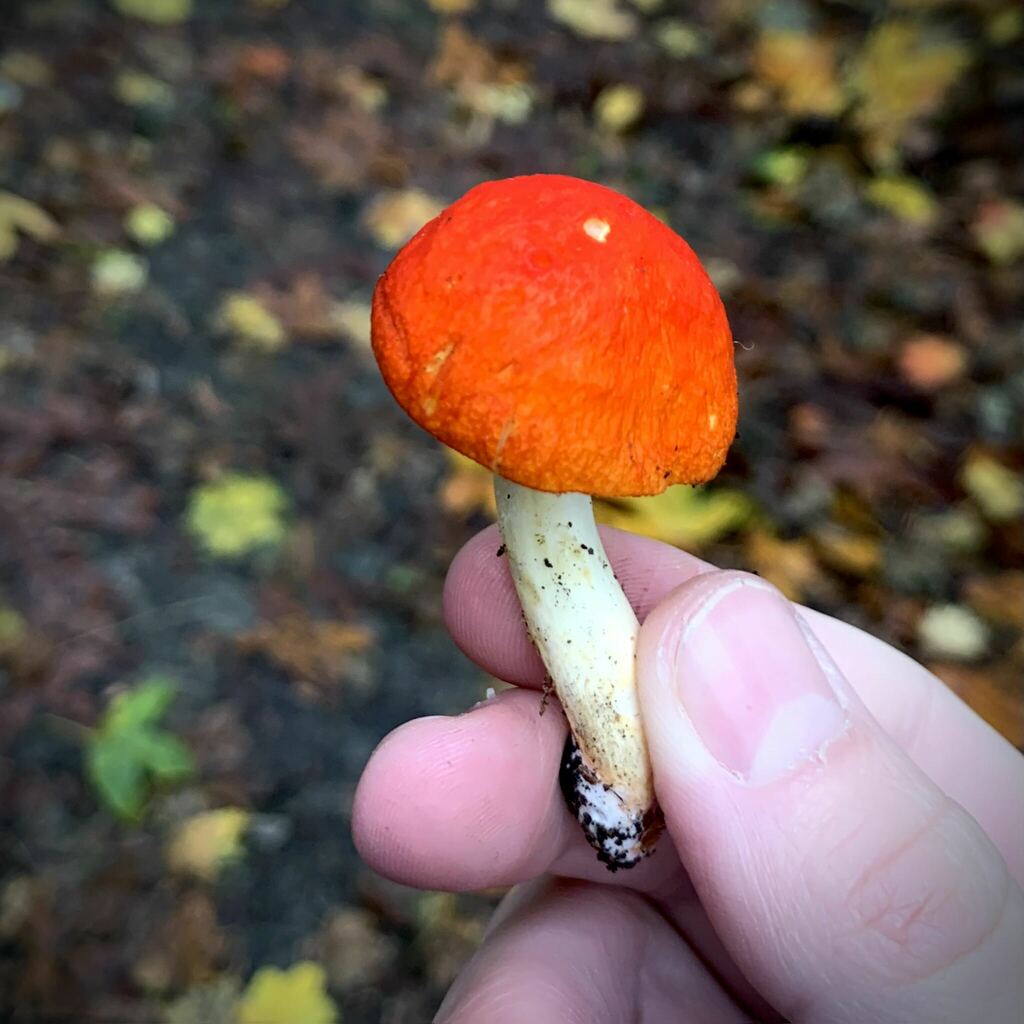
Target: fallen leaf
[185,949]
[287,997]
[900,76]
[342,148]
[25,68]
[855,554]
[903,197]
[618,107]
[446,936]
[157,12]
[999,705]
[998,598]
[135,89]
[802,68]
[304,309]
[354,951]
[931,361]
[128,752]
[996,489]
[353,319]
[116,273]
[790,565]
[678,39]
[594,19]
[786,166]
[952,631]
[250,323]
[18,216]
[149,224]
[483,84]
[236,514]
[205,843]
[684,516]
[394,217]
[308,649]
[212,1003]
[998,230]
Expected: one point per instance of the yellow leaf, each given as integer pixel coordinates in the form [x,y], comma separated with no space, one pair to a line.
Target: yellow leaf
[677,38]
[684,516]
[251,324]
[904,197]
[789,565]
[148,224]
[352,318]
[594,19]
[203,844]
[157,12]
[854,553]
[802,68]
[237,514]
[19,216]
[296,996]
[997,490]
[116,272]
[901,75]
[618,107]
[393,218]
[998,230]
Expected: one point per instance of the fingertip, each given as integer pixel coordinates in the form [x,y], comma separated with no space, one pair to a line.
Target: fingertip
[466,802]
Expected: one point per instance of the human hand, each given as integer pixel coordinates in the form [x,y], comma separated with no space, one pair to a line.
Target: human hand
[852,833]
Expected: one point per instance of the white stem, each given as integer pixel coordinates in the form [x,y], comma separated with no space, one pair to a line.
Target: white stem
[586,633]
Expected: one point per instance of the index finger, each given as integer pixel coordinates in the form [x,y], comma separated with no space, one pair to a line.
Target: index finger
[961,753]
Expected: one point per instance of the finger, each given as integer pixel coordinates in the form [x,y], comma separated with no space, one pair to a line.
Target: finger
[962,754]
[844,883]
[569,952]
[482,610]
[473,802]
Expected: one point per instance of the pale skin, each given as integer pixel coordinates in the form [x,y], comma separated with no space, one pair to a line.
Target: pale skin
[844,839]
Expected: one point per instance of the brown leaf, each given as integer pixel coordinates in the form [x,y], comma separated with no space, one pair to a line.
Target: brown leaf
[930,361]
[802,69]
[312,651]
[340,149]
[187,950]
[999,598]
[996,697]
[789,565]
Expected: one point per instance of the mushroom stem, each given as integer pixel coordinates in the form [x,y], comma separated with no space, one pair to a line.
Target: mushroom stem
[586,632]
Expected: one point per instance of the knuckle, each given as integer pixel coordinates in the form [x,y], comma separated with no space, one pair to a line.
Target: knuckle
[931,895]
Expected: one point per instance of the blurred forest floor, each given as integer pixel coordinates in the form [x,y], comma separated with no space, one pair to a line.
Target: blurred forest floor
[222,544]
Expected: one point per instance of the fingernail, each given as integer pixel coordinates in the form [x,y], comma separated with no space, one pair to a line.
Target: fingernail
[751,684]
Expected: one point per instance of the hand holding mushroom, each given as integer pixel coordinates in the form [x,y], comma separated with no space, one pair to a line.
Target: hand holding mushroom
[843,838]
[566,339]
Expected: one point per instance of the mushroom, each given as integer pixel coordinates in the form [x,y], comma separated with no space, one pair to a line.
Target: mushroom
[569,341]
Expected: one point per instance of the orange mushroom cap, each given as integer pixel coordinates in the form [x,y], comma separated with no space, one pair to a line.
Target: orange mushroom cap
[563,337]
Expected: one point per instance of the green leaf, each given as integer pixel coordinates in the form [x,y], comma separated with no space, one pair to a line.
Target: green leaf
[142,705]
[166,757]
[118,776]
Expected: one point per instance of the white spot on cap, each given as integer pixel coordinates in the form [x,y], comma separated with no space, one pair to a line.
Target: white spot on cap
[713,420]
[597,229]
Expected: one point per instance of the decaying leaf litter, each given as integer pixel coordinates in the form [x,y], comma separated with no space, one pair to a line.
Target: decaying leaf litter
[213,514]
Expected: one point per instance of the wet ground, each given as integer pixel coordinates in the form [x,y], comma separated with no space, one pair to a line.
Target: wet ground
[192,217]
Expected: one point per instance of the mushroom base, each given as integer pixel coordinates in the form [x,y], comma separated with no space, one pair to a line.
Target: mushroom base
[621,839]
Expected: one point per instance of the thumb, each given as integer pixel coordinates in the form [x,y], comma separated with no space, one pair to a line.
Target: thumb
[843,882]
